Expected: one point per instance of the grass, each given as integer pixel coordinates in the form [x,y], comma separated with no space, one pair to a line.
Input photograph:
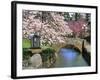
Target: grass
[26,43]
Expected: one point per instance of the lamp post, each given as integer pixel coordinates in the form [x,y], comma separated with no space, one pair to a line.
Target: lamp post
[35,40]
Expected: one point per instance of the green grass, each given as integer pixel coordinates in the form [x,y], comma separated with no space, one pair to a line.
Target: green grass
[26,43]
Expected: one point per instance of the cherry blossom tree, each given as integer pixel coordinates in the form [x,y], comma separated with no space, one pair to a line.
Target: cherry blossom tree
[77,26]
[52,26]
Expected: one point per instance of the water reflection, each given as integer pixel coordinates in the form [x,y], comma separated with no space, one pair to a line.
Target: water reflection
[69,58]
[68,54]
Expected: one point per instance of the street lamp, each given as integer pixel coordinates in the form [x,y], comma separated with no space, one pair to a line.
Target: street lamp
[35,40]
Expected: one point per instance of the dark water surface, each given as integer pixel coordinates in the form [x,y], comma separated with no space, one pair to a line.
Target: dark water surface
[69,58]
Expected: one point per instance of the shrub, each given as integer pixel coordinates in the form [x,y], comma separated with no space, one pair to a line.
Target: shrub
[26,54]
[47,53]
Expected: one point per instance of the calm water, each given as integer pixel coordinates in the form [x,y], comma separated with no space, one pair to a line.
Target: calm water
[69,58]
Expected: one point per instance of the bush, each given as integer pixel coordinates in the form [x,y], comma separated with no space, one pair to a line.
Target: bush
[26,54]
[48,50]
[47,54]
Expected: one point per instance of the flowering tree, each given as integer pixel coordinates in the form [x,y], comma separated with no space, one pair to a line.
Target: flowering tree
[52,26]
[77,26]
